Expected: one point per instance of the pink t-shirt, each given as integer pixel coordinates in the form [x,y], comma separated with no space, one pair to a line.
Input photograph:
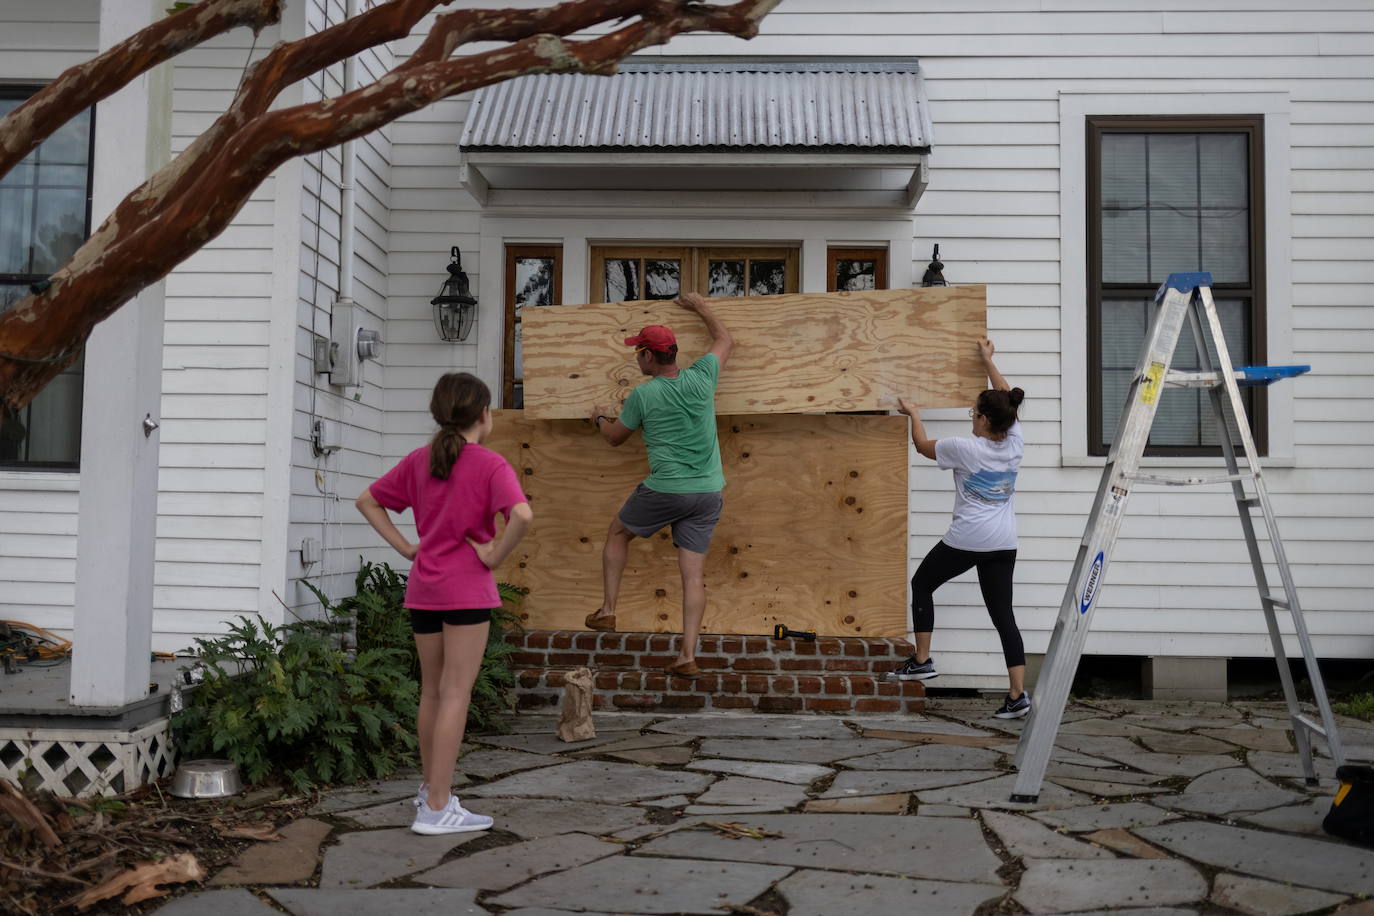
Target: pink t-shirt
[447,573]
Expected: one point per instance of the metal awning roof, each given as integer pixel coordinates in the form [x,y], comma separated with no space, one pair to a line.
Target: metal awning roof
[706,121]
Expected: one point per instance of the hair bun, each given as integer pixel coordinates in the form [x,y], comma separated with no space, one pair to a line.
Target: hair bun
[1016,395]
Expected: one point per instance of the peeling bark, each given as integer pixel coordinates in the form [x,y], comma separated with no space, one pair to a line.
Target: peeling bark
[194,197]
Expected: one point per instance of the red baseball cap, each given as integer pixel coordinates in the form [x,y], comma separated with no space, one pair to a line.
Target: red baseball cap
[655,337]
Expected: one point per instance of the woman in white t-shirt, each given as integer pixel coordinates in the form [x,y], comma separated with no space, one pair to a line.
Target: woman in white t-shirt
[983,532]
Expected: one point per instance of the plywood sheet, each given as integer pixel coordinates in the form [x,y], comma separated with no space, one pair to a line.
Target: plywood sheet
[806,352]
[813,534]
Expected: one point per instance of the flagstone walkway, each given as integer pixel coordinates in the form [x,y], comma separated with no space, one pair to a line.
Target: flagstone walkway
[1148,808]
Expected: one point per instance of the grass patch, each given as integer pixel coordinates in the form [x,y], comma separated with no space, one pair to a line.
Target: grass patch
[1359,706]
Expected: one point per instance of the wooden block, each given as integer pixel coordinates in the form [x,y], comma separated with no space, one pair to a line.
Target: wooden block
[806,352]
[813,534]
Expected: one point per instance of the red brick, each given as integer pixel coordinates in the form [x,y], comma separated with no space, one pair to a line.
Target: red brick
[915,705]
[534,700]
[755,644]
[655,680]
[800,664]
[712,662]
[529,678]
[783,685]
[874,704]
[515,638]
[706,683]
[756,683]
[631,680]
[607,680]
[804,648]
[879,647]
[636,643]
[861,686]
[586,640]
[634,701]
[610,642]
[808,685]
[614,660]
[683,701]
[561,640]
[829,704]
[538,639]
[556,679]
[846,664]
[659,643]
[754,664]
[577,659]
[913,689]
[889,689]
[780,704]
[828,646]
[732,645]
[599,701]
[720,702]
[709,644]
[528,659]
[731,683]
[656,661]
[836,685]
[855,647]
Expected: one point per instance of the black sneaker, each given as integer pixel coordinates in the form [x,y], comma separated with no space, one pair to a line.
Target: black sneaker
[912,670]
[1014,709]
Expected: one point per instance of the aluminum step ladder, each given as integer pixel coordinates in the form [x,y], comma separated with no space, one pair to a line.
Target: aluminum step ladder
[1184,296]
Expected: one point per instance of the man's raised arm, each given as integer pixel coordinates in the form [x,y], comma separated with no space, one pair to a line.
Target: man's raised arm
[721,341]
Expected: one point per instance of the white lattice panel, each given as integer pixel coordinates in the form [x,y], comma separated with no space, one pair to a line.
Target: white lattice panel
[79,762]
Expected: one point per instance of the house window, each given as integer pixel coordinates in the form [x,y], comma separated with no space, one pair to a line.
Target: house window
[853,269]
[44,217]
[624,273]
[1167,196]
[534,277]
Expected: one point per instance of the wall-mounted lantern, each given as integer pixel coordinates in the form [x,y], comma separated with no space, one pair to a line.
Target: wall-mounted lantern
[455,308]
[934,275]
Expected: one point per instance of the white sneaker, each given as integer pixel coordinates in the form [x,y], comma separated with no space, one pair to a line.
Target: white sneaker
[421,796]
[452,818]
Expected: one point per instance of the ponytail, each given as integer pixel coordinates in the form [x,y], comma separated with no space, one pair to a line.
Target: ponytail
[1000,408]
[457,403]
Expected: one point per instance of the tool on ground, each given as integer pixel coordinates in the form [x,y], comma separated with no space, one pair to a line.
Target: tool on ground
[782,631]
[1183,296]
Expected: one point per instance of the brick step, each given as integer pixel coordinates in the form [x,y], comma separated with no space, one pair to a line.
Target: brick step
[753,654]
[830,674]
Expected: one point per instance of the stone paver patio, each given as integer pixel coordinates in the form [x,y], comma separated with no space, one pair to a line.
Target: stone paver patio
[1147,808]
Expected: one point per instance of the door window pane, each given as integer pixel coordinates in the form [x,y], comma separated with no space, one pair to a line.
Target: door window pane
[852,274]
[622,279]
[725,278]
[767,278]
[662,279]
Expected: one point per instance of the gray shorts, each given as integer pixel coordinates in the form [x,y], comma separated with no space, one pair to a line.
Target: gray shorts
[692,515]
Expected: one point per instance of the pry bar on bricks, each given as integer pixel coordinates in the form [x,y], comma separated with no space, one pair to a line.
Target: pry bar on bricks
[782,631]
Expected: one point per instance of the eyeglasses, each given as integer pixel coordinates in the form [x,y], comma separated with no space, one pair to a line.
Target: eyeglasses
[639,350]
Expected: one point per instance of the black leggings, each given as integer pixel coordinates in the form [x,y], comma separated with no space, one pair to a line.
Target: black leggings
[994,578]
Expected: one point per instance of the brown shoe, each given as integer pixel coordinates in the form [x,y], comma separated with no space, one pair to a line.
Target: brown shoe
[596,621]
[683,669]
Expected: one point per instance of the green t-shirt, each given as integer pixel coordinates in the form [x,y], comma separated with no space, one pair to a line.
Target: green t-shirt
[678,416]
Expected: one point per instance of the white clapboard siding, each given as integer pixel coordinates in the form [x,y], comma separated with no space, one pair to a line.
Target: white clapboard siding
[994,72]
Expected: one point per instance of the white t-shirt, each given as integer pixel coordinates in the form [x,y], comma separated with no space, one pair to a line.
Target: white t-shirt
[984,487]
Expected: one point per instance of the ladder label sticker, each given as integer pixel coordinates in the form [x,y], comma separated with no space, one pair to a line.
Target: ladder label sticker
[1090,590]
[1115,501]
[1150,384]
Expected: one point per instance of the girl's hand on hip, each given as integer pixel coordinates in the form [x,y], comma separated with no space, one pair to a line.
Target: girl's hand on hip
[486,552]
[410,551]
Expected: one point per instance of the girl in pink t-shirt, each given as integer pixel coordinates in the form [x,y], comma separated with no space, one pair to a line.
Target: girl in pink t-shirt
[455,487]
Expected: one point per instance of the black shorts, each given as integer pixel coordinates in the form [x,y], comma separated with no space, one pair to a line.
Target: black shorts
[426,622]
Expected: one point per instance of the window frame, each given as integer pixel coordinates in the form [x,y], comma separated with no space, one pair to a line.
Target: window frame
[512,253]
[834,255]
[1094,128]
[24,91]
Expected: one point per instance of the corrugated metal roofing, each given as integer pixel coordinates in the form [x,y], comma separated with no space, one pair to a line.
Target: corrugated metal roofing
[665,106]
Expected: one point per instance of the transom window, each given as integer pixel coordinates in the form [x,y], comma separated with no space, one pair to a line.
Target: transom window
[44,218]
[855,269]
[1167,196]
[627,273]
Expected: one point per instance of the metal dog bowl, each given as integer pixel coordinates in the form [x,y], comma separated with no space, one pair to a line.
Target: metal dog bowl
[206,779]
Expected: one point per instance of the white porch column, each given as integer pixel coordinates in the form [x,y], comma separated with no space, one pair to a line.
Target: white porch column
[117,510]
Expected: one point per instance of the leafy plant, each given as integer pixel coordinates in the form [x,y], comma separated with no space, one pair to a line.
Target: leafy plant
[1359,706]
[281,701]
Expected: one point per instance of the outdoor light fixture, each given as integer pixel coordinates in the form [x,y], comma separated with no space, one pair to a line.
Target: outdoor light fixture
[934,275]
[455,307]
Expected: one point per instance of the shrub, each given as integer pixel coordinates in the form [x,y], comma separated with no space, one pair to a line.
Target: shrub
[281,701]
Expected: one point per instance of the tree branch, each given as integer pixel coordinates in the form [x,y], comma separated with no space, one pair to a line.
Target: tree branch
[80,87]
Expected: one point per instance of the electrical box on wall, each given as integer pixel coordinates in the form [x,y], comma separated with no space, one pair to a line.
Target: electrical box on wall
[350,345]
[324,436]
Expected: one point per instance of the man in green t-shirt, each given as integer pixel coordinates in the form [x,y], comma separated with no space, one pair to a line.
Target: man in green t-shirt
[675,409]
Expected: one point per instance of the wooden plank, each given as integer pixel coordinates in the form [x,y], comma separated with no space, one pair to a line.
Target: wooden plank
[813,534]
[806,352]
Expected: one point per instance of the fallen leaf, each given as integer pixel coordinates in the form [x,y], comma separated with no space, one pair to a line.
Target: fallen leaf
[13,803]
[735,830]
[253,832]
[141,881]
